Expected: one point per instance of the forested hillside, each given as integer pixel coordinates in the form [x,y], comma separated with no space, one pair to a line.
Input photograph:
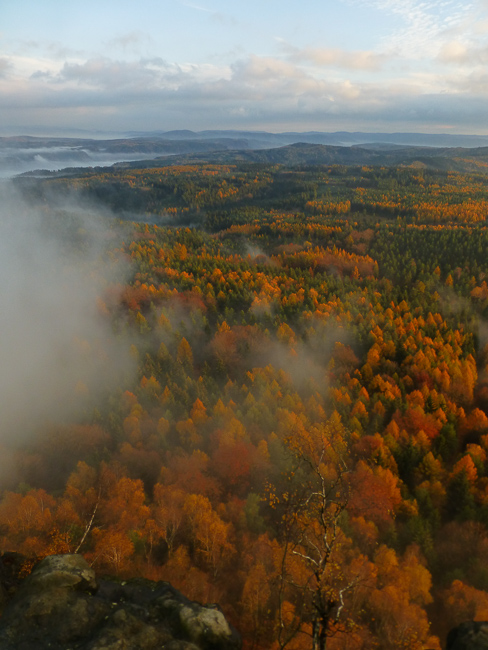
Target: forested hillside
[301,433]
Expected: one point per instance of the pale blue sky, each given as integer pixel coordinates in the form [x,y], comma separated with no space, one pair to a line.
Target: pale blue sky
[120,65]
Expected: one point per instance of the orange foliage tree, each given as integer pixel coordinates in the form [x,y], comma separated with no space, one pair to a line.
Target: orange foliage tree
[315,580]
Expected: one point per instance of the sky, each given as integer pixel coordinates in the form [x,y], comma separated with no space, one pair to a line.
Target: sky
[104,67]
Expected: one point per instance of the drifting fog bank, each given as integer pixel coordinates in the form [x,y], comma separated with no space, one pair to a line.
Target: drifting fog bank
[56,348]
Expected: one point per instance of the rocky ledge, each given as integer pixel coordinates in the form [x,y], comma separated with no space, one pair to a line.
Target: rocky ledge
[471,635]
[62,606]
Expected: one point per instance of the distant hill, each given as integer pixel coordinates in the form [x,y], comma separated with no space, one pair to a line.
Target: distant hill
[459,153]
[340,138]
[25,153]
[303,154]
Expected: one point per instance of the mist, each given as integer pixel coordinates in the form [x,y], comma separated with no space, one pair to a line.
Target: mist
[14,161]
[57,350]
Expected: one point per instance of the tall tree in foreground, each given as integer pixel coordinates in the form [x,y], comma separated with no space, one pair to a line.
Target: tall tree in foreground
[319,568]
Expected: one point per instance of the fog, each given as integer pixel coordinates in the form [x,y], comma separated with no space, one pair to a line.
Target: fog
[57,350]
[18,161]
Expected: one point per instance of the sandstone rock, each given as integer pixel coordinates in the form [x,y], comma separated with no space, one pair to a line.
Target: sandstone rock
[205,626]
[472,635]
[61,572]
[61,606]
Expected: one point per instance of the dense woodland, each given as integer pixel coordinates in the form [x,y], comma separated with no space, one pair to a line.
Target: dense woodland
[302,436]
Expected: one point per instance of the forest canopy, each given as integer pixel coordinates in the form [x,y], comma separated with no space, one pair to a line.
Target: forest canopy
[297,424]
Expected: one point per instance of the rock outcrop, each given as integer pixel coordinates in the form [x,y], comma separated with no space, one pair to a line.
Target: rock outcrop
[472,635]
[62,606]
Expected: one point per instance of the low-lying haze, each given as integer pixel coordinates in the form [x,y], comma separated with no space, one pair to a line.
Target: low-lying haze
[56,348]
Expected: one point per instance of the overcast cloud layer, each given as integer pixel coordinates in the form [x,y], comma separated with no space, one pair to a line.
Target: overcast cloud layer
[379,65]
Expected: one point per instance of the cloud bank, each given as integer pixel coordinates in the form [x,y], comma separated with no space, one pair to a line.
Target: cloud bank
[423,71]
[56,348]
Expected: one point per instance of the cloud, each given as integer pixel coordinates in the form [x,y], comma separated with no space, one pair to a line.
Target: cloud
[5,66]
[454,52]
[217,16]
[255,70]
[54,341]
[459,53]
[41,74]
[329,57]
[424,24]
[144,75]
[473,83]
[131,40]
[52,51]
[191,5]
[253,92]
[105,73]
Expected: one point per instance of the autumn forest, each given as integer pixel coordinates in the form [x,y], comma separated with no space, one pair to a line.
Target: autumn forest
[291,412]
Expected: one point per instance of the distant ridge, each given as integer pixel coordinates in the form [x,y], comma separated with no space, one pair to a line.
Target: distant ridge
[26,153]
[341,138]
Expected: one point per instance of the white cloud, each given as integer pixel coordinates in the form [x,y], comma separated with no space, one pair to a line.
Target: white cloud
[5,66]
[130,40]
[216,16]
[472,83]
[143,76]
[268,69]
[105,73]
[348,59]
[454,52]
[191,5]
[424,24]
[52,336]
[459,53]
[24,67]
[269,91]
